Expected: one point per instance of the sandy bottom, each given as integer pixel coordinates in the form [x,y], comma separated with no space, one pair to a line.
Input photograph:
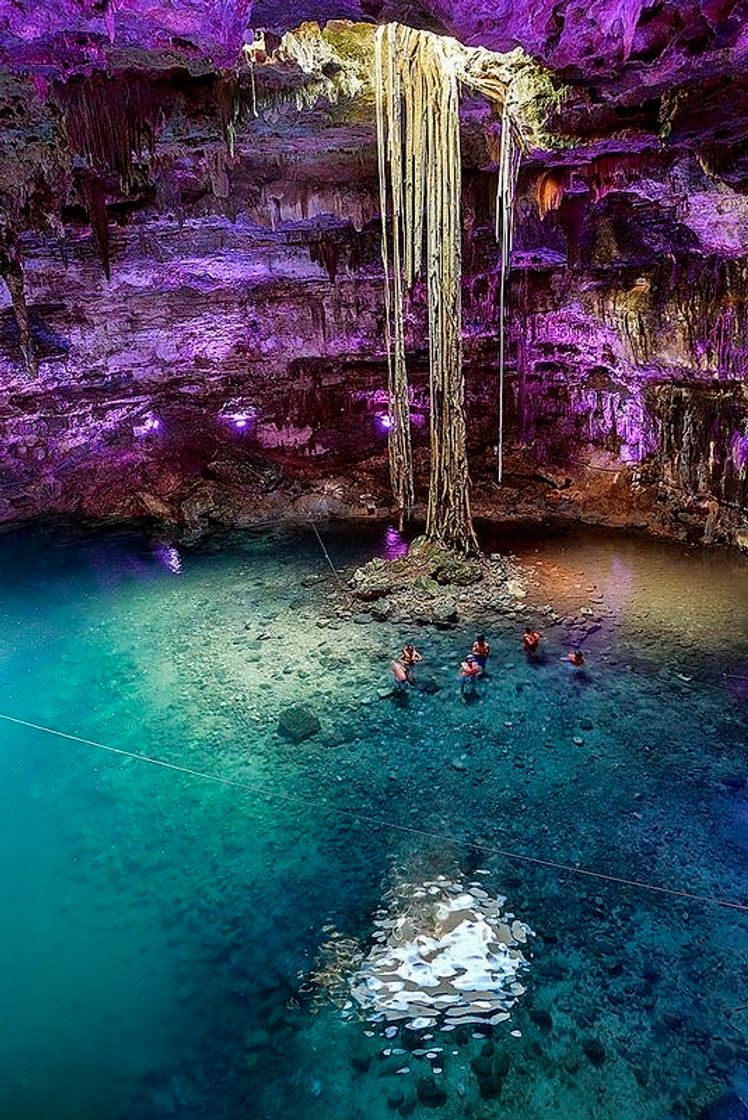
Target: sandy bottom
[160,932]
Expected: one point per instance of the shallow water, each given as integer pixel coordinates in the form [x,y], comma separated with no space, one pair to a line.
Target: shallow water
[160,930]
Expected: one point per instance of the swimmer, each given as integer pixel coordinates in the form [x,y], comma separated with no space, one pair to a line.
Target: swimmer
[470,670]
[408,659]
[481,650]
[530,640]
[399,676]
[575,658]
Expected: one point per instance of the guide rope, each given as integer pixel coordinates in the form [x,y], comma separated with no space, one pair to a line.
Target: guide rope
[520,857]
[335,571]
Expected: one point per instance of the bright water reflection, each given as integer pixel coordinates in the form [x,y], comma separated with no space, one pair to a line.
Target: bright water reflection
[159,933]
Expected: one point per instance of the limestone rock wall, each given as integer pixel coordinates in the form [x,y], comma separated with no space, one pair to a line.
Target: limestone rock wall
[231,366]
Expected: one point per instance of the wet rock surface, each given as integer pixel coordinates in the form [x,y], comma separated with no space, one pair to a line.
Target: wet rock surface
[298,723]
[433,587]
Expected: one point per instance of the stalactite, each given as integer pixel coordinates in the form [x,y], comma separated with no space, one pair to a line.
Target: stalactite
[326,253]
[418,77]
[108,119]
[229,101]
[11,270]
[95,198]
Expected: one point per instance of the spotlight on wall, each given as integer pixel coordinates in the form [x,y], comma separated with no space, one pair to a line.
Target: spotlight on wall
[240,415]
[148,426]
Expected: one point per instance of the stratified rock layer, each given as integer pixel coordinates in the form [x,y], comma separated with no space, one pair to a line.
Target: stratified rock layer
[232,367]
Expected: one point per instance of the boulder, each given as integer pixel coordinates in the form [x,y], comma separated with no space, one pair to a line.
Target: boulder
[381,610]
[379,578]
[541,1018]
[455,570]
[444,613]
[298,723]
[430,1093]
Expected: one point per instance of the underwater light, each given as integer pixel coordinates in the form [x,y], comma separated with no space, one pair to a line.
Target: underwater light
[169,556]
[384,420]
[394,546]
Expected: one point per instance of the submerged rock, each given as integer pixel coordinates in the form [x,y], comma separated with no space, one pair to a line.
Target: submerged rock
[541,1018]
[298,723]
[729,1107]
[429,685]
[594,1050]
[444,613]
[430,1093]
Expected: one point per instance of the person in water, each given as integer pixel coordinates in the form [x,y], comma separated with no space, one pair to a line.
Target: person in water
[470,670]
[400,679]
[530,640]
[409,659]
[481,650]
[575,658]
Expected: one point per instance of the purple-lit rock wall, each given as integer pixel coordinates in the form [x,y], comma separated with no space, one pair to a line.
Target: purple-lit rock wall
[232,366]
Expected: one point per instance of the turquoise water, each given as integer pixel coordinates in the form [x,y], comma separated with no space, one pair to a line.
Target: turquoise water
[159,931]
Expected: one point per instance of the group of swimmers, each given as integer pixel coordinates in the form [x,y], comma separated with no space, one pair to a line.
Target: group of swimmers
[474,665]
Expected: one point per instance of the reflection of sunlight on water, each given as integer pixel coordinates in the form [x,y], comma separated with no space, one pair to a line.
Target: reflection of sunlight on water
[394,545]
[444,954]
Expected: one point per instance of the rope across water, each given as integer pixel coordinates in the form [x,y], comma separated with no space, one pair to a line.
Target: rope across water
[354,814]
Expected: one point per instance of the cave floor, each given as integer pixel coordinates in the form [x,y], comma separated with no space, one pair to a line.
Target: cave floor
[160,930]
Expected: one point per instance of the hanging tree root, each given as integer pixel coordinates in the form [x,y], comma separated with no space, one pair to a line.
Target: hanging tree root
[418,77]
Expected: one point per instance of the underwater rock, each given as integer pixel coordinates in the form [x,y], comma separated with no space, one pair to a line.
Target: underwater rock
[490,1069]
[594,1050]
[430,1093]
[429,685]
[541,1018]
[298,723]
[444,613]
[729,1107]
[571,1063]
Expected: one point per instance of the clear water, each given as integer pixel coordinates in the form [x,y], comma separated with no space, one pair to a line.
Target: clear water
[158,930]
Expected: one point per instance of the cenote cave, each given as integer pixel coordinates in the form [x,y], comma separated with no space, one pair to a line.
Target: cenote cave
[373,560]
